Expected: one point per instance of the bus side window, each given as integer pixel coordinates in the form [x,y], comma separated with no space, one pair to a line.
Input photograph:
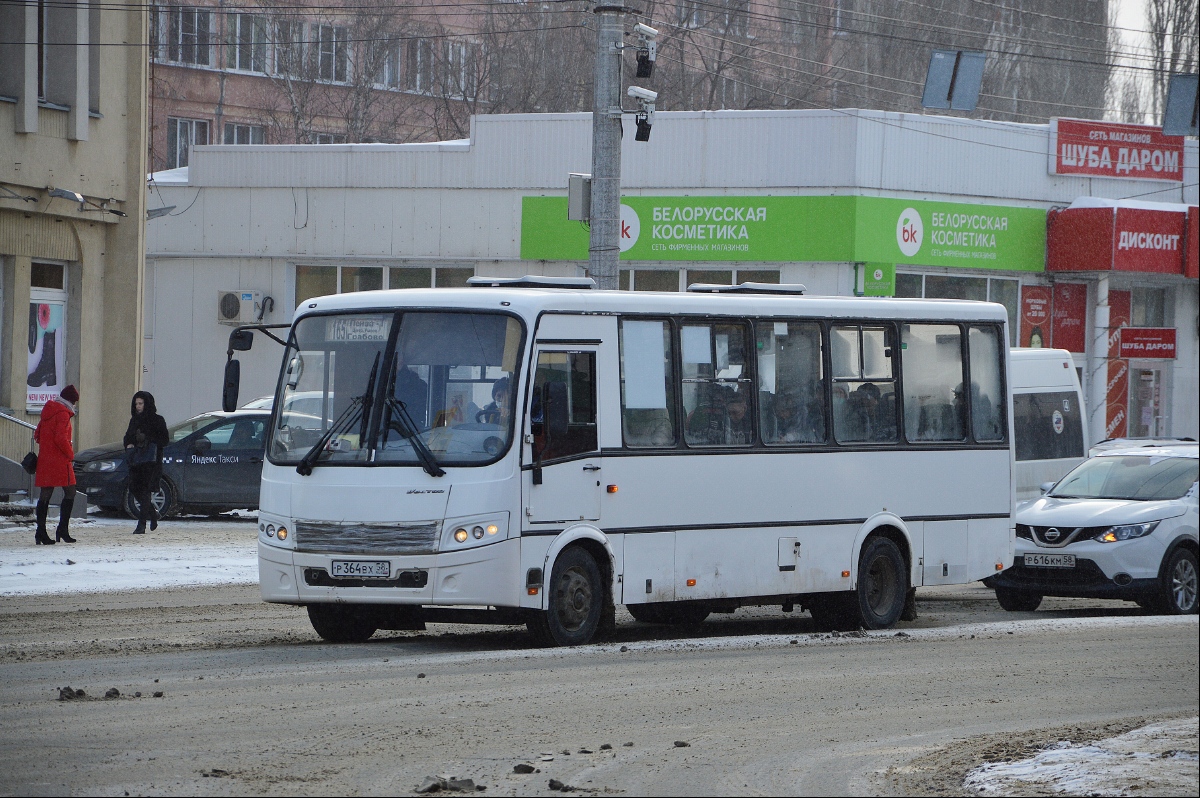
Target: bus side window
[934,403]
[791,374]
[647,384]
[987,390]
[575,376]
[864,384]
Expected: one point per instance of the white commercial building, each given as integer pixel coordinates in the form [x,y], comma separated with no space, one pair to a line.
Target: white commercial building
[842,201]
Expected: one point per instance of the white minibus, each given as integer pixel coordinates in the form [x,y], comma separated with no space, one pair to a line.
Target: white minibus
[1049,432]
[535,451]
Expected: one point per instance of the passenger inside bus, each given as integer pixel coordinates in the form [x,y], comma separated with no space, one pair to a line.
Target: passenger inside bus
[798,416]
[411,390]
[500,409]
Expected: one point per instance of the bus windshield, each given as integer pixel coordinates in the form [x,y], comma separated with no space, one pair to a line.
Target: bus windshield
[405,386]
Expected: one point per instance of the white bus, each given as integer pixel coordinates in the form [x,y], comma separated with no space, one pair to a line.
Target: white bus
[537,452]
[1049,433]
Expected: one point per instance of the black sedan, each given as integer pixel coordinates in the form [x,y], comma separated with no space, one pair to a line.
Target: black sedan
[212,464]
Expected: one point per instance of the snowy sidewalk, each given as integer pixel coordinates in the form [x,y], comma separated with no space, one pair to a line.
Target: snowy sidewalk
[109,558]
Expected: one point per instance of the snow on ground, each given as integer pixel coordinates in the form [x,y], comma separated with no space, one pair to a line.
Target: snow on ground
[109,558]
[1159,759]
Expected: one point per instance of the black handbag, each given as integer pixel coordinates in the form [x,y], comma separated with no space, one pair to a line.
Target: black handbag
[144,455]
[29,463]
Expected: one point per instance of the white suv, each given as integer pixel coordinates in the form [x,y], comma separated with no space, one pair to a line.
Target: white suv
[1121,525]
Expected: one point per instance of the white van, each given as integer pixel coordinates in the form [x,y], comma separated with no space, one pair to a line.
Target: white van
[1048,417]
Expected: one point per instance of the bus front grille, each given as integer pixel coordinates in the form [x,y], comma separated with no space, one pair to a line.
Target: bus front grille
[329,537]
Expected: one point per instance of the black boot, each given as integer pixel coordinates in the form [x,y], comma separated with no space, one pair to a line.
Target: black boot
[63,535]
[140,529]
[40,538]
[64,515]
[153,518]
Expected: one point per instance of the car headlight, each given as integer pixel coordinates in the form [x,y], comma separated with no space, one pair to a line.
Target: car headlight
[1126,532]
[102,465]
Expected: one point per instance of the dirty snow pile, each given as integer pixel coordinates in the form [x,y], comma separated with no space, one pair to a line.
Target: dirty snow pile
[107,558]
[1159,759]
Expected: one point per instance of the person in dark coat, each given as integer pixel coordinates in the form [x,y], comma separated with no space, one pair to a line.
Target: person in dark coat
[146,429]
[55,465]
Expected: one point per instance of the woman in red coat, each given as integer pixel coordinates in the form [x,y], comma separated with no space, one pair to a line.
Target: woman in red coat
[55,466]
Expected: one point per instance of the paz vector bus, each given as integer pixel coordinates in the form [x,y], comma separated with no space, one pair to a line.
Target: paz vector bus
[534,451]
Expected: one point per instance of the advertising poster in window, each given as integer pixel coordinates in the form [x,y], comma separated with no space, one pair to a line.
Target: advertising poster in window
[47,352]
[1116,420]
[1035,316]
[1070,317]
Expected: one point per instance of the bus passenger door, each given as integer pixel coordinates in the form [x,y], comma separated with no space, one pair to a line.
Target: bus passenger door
[562,476]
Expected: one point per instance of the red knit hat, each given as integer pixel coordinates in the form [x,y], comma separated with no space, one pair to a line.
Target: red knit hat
[70,393]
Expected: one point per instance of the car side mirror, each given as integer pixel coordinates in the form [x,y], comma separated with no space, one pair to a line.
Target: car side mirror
[202,445]
[229,390]
[1047,486]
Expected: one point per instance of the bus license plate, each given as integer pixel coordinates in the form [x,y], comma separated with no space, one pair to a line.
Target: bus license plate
[1050,560]
[370,569]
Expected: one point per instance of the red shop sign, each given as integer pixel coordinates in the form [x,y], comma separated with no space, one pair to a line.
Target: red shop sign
[1156,342]
[1148,241]
[1110,149]
[1069,317]
[1035,316]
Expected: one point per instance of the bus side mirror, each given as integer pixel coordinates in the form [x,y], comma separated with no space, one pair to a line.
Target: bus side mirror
[241,340]
[233,381]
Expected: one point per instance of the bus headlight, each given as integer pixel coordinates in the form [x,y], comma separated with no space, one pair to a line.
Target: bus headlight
[474,531]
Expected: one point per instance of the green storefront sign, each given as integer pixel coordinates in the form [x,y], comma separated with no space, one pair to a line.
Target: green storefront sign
[874,230]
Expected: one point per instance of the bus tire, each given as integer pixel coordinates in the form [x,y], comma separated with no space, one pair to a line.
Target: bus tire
[575,599]
[340,623]
[1016,600]
[882,584]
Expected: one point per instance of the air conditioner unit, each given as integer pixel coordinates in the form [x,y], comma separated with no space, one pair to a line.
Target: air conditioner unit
[238,307]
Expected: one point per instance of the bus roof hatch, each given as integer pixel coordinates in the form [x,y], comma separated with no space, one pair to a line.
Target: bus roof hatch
[794,289]
[532,281]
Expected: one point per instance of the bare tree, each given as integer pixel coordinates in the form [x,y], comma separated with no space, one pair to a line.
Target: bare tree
[1173,45]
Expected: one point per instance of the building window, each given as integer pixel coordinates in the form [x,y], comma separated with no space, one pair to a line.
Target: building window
[389,74]
[244,134]
[419,73]
[332,53]
[289,48]
[692,14]
[247,47]
[182,134]
[314,281]
[189,36]
[1149,307]
[460,80]
[983,289]
[330,138]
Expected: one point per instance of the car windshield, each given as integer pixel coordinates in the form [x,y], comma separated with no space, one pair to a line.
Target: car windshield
[1140,477]
[409,386]
[186,428]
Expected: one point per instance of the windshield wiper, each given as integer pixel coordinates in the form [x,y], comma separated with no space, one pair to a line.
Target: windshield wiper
[359,410]
[428,461]
[350,415]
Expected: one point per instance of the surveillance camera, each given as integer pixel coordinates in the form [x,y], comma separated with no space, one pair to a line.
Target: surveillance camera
[645,95]
[645,31]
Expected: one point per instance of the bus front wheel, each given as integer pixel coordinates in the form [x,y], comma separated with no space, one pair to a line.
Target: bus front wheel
[340,623]
[882,584]
[575,599]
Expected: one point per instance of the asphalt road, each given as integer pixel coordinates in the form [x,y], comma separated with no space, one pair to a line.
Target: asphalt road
[252,703]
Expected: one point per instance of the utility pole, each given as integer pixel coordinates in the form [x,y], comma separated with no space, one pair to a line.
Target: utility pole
[605,243]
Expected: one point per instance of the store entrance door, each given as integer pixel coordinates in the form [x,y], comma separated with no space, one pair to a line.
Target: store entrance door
[1147,403]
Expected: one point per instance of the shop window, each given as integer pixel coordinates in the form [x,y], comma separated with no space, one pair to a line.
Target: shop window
[314,281]
[911,286]
[1149,307]
[47,360]
[758,276]
[445,277]
[651,280]
[708,276]
[361,278]
[953,287]
[410,278]
[948,286]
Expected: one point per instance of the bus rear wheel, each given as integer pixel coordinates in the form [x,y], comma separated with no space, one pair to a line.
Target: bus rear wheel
[882,584]
[575,598]
[341,623]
